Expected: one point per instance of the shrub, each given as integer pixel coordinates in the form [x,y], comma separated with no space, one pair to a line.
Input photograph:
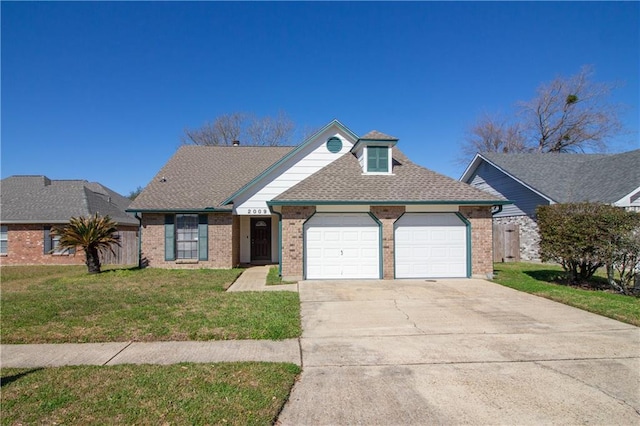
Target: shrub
[585,236]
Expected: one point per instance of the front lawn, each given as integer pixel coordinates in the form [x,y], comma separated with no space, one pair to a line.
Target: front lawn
[226,393]
[542,280]
[66,305]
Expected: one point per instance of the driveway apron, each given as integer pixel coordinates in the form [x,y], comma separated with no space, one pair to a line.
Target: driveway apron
[458,352]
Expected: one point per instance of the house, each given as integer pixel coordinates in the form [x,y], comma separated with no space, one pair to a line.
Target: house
[534,179]
[337,206]
[32,205]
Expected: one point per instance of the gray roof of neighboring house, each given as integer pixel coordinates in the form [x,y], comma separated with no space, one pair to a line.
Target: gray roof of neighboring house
[574,177]
[344,181]
[38,199]
[200,177]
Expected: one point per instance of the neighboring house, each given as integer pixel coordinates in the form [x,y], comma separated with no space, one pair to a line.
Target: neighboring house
[31,205]
[531,180]
[336,206]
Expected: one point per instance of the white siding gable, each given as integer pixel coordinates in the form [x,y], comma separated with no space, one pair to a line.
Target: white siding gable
[313,157]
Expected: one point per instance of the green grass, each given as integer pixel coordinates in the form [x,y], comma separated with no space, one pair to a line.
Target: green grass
[274,278]
[545,280]
[67,305]
[227,393]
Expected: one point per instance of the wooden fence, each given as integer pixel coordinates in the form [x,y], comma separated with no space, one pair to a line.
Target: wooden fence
[126,254]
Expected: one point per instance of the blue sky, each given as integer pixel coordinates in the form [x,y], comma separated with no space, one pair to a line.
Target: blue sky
[103,91]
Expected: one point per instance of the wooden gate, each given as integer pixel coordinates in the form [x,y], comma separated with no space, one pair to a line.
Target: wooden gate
[506,243]
[126,254]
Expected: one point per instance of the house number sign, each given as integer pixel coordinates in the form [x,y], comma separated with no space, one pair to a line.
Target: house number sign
[257,211]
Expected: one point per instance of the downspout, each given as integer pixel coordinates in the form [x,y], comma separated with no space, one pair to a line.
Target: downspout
[139,239]
[499,206]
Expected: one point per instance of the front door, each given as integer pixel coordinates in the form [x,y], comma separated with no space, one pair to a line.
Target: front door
[260,239]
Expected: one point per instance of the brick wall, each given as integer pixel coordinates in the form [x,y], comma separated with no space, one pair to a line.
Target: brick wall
[222,250]
[25,246]
[481,239]
[387,215]
[293,218]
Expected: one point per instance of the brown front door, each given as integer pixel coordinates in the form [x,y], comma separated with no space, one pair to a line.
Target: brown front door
[260,239]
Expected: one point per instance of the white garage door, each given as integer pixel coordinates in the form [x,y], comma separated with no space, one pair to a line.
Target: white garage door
[342,246]
[430,245]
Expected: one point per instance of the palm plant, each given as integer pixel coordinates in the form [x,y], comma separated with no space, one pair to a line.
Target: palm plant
[94,234]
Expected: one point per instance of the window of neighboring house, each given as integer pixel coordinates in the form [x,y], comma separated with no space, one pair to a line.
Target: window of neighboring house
[4,239]
[187,236]
[377,159]
[52,244]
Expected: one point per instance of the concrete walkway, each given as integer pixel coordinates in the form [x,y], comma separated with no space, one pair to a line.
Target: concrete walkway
[254,279]
[410,352]
[54,355]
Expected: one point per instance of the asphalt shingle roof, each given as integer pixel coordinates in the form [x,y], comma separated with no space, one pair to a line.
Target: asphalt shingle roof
[343,180]
[197,177]
[38,199]
[376,135]
[574,177]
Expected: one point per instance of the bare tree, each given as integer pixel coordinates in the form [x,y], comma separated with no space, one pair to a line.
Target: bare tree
[571,115]
[492,134]
[244,127]
[270,131]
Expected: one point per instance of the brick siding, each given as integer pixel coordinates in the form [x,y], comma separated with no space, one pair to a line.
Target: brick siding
[387,215]
[481,239]
[223,251]
[293,218]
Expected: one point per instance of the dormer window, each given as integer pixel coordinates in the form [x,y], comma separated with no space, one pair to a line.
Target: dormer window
[375,153]
[378,159]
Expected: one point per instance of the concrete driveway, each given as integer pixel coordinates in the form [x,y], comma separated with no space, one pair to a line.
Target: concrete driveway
[458,352]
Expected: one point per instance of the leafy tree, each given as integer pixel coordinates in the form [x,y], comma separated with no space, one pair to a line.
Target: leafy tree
[244,127]
[94,234]
[585,236]
[568,114]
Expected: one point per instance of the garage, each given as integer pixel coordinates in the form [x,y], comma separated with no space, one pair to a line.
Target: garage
[342,246]
[430,245]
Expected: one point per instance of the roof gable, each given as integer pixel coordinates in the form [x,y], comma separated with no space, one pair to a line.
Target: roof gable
[313,139]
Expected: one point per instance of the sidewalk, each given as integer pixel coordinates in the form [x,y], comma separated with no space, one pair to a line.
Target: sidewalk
[54,355]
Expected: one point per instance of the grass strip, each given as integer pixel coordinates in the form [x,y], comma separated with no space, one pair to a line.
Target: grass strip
[226,393]
[545,280]
[274,278]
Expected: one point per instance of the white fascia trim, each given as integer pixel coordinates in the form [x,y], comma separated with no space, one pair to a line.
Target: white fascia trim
[626,200]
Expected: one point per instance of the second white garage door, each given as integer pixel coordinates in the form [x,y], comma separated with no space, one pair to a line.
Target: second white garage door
[342,246]
[430,245]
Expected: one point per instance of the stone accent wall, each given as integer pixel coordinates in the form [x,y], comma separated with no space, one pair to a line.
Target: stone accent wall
[481,239]
[529,235]
[387,215]
[223,247]
[293,218]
